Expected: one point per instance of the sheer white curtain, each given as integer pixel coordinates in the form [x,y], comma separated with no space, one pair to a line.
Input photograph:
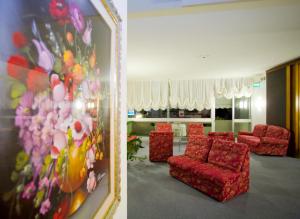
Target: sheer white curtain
[191,94]
[147,95]
[237,87]
[185,94]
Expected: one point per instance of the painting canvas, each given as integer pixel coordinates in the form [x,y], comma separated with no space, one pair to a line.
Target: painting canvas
[58,109]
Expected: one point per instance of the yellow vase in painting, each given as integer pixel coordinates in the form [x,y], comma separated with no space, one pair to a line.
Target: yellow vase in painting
[73,176]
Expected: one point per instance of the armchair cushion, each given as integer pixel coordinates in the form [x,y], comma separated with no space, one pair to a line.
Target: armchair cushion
[160,145]
[182,162]
[277,132]
[163,127]
[260,130]
[214,174]
[195,129]
[198,147]
[245,133]
[274,141]
[228,154]
[249,140]
[229,136]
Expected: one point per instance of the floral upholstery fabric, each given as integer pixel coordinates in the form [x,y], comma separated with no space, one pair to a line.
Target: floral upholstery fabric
[260,130]
[274,142]
[227,154]
[163,127]
[277,132]
[183,162]
[215,181]
[245,133]
[198,147]
[214,174]
[160,145]
[229,136]
[195,129]
[251,141]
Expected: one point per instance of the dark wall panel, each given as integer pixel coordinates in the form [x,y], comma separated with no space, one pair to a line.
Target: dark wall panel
[276,97]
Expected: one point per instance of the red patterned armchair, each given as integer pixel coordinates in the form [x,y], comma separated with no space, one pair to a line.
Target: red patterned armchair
[266,140]
[228,136]
[161,142]
[217,168]
[195,129]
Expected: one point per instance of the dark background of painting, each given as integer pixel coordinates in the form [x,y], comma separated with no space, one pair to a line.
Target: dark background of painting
[17,15]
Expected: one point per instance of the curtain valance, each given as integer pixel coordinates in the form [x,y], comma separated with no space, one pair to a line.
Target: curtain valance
[147,95]
[185,94]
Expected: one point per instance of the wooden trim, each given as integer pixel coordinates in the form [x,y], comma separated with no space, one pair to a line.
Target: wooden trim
[296,109]
[282,65]
[288,98]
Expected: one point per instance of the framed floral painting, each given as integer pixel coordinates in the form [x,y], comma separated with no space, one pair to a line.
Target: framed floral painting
[59,111]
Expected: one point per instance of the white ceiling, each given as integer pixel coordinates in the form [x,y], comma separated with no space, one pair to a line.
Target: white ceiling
[211,41]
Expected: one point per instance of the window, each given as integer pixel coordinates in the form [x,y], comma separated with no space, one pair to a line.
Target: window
[242,108]
[147,114]
[179,113]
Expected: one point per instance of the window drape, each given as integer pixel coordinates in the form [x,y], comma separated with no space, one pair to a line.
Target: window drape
[185,94]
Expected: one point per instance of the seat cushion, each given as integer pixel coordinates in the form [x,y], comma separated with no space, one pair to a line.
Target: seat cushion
[198,147]
[277,132]
[182,162]
[260,130]
[249,140]
[216,175]
[195,129]
[228,154]
[163,127]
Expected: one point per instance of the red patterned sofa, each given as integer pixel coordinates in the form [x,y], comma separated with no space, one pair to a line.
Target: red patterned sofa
[216,167]
[228,136]
[195,129]
[161,142]
[266,140]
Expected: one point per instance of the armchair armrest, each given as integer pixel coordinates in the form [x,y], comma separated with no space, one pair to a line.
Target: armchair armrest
[276,141]
[245,133]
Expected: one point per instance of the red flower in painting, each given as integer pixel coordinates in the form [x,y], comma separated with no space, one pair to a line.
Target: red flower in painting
[37,79]
[59,10]
[17,67]
[62,210]
[71,85]
[19,40]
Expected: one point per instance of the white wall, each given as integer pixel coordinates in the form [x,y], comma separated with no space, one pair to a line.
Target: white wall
[258,105]
[121,212]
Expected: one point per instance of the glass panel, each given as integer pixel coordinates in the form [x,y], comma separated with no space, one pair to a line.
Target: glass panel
[242,108]
[147,114]
[183,113]
[223,117]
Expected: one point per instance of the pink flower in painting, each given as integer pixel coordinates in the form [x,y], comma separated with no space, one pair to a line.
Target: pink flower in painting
[36,158]
[90,157]
[77,18]
[23,111]
[45,206]
[43,183]
[27,141]
[29,190]
[87,35]
[45,57]
[91,182]
[81,128]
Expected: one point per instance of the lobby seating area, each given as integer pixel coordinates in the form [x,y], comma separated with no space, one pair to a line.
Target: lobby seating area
[154,194]
[213,92]
[161,142]
[266,140]
[218,168]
